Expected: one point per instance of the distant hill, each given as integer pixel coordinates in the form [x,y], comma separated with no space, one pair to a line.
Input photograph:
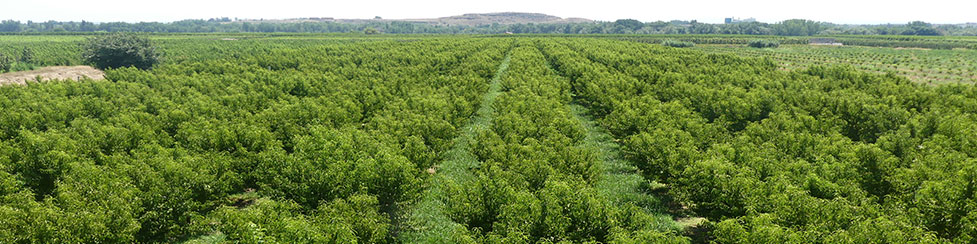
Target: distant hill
[504,18]
[500,18]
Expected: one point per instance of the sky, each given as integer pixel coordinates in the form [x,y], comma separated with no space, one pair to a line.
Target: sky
[708,11]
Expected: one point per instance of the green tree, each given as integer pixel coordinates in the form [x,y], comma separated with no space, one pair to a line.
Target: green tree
[797,27]
[629,24]
[5,63]
[120,50]
[920,28]
[10,26]
[676,43]
[761,43]
[27,56]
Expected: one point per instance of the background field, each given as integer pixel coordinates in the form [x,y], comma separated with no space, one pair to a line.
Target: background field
[920,65]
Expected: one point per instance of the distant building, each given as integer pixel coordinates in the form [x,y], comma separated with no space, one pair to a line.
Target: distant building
[735,20]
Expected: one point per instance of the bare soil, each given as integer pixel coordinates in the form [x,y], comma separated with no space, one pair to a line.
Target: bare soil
[52,73]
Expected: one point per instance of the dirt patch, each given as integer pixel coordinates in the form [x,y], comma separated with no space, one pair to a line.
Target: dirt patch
[52,73]
[686,222]
[696,228]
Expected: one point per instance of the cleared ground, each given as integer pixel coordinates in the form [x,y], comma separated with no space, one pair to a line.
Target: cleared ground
[52,73]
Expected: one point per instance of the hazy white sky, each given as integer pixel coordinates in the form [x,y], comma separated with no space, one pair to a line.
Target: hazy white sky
[711,11]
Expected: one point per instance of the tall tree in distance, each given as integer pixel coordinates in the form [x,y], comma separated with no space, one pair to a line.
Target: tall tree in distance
[797,27]
[919,28]
[629,24]
[120,50]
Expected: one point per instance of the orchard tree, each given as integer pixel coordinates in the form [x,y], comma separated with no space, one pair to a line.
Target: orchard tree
[676,43]
[762,43]
[27,56]
[5,63]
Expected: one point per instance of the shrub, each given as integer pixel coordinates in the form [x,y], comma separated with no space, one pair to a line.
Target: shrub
[120,50]
[761,43]
[679,44]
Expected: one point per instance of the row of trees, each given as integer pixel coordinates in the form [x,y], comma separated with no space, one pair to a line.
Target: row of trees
[761,43]
[793,27]
[869,41]
[24,61]
[270,141]
[537,180]
[313,140]
[828,154]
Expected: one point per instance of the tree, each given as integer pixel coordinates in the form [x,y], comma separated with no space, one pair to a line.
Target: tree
[27,56]
[371,31]
[10,26]
[701,28]
[629,24]
[675,43]
[920,28]
[5,63]
[762,43]
[797,27]
[120,50]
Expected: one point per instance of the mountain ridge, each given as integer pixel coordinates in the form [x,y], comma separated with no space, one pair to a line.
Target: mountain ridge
[471,19]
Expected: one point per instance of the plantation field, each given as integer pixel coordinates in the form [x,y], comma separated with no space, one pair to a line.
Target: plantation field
[932,66]
[246,138]
[927,42]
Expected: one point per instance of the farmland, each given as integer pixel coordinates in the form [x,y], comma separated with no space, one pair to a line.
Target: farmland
[300,138]
[919,65]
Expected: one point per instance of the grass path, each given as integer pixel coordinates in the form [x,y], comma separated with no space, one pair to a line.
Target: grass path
[427,222]
[620,182]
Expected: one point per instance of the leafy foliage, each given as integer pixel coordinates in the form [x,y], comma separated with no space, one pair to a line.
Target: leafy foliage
[826,154]
[327,136]
[762,43]
[5,63]
[27,55]
[537,180]
[679,44]
[120,50]
[324,139]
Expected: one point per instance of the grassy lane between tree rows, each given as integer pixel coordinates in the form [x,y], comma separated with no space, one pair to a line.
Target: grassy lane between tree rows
[427,221]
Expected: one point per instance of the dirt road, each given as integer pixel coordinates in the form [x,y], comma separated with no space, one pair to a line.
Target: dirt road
[52,73]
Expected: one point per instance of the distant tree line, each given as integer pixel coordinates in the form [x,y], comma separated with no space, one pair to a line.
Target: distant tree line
[794,27]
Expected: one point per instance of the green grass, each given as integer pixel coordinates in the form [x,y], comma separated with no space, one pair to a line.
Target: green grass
[620,181]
